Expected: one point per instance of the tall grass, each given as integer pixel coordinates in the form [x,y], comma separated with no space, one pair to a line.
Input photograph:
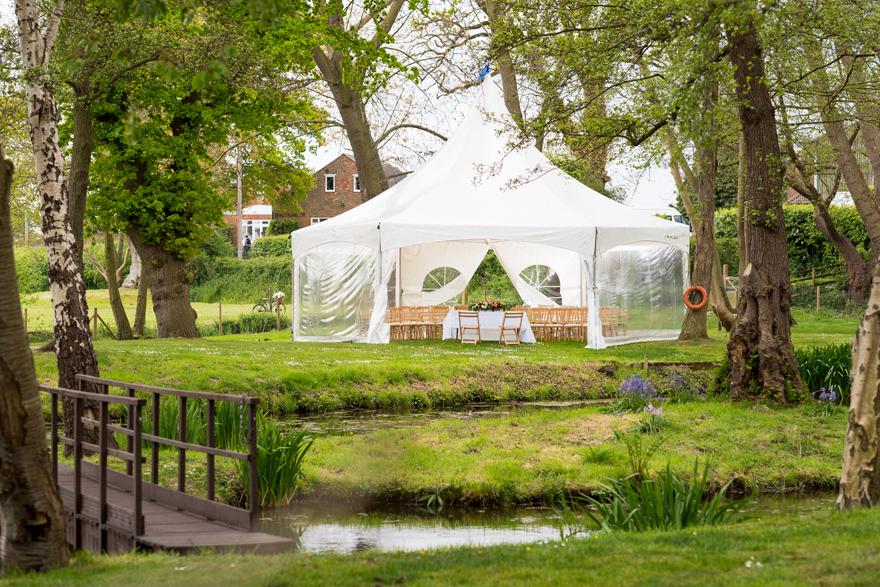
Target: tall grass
[827,367]
[665,503]
[279,463]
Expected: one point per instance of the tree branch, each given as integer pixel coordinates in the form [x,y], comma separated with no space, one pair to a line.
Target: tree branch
[52,32]
[97,93]
[391,130]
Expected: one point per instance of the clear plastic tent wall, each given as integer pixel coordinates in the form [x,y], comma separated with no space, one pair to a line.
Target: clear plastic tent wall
[645,282]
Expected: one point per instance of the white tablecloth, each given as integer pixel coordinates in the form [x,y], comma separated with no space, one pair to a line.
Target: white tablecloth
[490,326]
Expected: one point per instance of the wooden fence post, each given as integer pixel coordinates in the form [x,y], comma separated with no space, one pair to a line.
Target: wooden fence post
[95,325]
[817,299]
[646,365]
[25,321]
[221,318]
[813,279]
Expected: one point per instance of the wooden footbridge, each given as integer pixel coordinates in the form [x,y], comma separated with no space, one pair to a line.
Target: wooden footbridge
[112,511]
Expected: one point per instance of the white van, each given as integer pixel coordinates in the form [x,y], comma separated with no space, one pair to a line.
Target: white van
[669,213]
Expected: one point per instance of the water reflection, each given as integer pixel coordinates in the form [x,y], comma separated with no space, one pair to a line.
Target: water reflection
[408,528]
[349,528]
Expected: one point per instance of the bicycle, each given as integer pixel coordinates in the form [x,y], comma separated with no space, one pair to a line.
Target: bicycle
[269,305]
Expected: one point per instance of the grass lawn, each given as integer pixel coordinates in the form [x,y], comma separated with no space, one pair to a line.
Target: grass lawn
[825,548]
[304,377]
[530,456]
[40,311]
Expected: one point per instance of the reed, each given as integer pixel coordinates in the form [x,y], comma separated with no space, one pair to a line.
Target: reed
[826,367]
[665,503]
[279,463]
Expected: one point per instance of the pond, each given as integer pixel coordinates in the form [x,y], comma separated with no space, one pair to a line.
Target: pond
[349,528]
[344,423]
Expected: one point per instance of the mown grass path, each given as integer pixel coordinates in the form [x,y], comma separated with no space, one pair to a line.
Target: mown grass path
[826,548]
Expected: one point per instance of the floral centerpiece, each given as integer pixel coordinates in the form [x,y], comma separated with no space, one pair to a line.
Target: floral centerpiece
[488,306]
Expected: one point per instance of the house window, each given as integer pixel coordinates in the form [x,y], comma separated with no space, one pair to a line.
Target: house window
[356,182]
[330,183]
[318,220]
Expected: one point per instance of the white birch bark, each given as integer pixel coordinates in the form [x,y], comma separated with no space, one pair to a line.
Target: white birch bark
[860,478]
[73,346]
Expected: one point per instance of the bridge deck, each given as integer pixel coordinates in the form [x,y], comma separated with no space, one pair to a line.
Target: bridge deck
[165,528]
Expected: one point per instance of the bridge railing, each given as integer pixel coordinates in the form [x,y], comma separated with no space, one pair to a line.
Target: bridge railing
[101,516]
[128,522]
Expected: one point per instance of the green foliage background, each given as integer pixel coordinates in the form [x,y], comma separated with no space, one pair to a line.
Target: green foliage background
[807,247]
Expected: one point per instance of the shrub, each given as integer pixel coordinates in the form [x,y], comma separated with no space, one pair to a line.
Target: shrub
[282,226]
[271,246]
[826,367]
[667,503]
[255,323]
[32,271]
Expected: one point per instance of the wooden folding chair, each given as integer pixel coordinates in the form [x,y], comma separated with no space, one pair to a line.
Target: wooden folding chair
[556,325]
[538,318]
[364,315]
[392,316]
[469,322]
[438,315]
[609,321]
[622,320]
[512,324]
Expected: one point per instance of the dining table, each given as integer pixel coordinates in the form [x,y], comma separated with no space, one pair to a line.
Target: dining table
[490,326]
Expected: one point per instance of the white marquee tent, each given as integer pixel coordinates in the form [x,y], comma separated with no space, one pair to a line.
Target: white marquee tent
[420,242]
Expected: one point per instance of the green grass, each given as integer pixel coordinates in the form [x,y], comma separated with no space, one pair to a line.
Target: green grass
[825,548]
[531,456]
[302,377]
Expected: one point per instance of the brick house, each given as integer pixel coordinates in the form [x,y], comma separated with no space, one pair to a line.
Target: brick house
[254,220]
[336,190]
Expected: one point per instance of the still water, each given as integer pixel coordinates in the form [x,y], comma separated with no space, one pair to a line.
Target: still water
[350,529]
[347,528]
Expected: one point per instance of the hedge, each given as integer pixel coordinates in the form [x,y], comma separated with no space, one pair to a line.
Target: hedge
[239,282]
[271,246]
[807,247]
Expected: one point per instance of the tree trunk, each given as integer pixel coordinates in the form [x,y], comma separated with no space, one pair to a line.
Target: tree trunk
[860,478]
[694,326]
[169,286]
[352,110]
[505,64]
[762,361]
[123,327]
[73,346]
[742,240]
[140,313]
[80,162]
[32,536]
[718,294]
[134,272]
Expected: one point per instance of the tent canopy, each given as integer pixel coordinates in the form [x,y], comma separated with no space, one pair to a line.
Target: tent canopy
[477,187]
[549,231]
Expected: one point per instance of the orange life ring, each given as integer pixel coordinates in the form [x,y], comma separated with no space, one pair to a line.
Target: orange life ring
[688,291]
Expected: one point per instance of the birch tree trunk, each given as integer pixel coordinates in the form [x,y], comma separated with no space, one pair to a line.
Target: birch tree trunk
[73,346]
[761,355]
[860,478]
[32,533]
[134,272]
